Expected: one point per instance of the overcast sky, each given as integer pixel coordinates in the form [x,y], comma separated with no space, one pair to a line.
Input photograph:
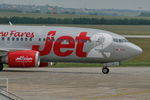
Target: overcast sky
[94,4]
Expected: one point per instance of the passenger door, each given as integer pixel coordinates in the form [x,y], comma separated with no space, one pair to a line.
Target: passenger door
[99,42]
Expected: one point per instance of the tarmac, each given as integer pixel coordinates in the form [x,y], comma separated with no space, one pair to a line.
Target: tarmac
[122,83]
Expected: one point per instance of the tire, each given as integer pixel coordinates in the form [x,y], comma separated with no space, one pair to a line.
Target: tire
[1,67]
[105,70]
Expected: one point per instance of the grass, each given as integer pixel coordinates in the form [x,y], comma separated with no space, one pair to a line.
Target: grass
[136,63]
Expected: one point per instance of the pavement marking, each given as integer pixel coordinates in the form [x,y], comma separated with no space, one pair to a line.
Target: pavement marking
[117,95]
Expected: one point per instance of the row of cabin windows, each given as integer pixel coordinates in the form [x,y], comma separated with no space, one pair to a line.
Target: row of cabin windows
[40,39]
[63,40]
[16,39]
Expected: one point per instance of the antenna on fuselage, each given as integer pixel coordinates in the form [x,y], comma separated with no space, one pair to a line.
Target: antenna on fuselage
[10,23]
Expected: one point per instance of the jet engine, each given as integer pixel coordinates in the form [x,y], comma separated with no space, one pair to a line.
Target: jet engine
[22,59]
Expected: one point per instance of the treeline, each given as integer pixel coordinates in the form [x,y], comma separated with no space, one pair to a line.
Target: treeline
[145,14]
[94,21]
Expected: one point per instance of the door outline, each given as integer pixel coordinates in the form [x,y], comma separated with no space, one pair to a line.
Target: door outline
[99,42]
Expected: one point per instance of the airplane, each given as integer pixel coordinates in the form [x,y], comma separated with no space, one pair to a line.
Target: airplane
[35,46]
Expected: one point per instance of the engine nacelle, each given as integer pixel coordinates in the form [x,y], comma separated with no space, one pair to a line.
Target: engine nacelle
[22,59]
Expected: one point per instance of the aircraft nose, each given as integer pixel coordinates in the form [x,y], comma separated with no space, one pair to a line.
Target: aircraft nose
[136,50]
[139,50]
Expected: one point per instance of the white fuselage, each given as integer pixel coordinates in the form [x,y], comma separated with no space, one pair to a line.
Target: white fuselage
[68,44]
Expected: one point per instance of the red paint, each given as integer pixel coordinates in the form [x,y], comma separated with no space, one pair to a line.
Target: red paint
[25,58]
[48,44]
[14,33]
[43,64]
[58,45]
[81,38]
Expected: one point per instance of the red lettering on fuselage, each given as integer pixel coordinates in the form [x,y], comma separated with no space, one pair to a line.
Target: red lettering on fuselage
[63,49]
[48,44]
[59,45]
[15,33]
[81,38]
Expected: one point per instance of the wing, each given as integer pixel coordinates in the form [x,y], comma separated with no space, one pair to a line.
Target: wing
[4,51]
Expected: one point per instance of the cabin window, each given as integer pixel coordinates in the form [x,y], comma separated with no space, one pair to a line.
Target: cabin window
[89,41]
[39,39]
[26,39]
[53,39]
[8,39]
[58,40]
[3,38]
[85,41]
[21,39]
[17,39]
[13,38]
[71,40]
[49,39]
[81,41]
[44,39]
[30,39]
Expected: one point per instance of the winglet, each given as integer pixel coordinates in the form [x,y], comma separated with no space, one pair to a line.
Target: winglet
[10,23]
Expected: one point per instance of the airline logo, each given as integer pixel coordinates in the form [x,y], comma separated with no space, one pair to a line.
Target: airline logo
[100,44]
[74,45]
[24,59]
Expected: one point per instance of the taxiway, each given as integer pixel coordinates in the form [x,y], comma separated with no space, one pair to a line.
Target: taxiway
[130,83]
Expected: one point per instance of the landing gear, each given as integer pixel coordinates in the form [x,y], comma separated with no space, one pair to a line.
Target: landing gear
[1,66]
[105,70]
[52,64]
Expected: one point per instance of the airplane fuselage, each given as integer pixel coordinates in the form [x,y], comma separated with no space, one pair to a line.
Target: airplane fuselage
[68,44]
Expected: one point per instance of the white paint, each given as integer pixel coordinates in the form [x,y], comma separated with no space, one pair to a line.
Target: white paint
[104,41]
[107,54]
[93,53]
